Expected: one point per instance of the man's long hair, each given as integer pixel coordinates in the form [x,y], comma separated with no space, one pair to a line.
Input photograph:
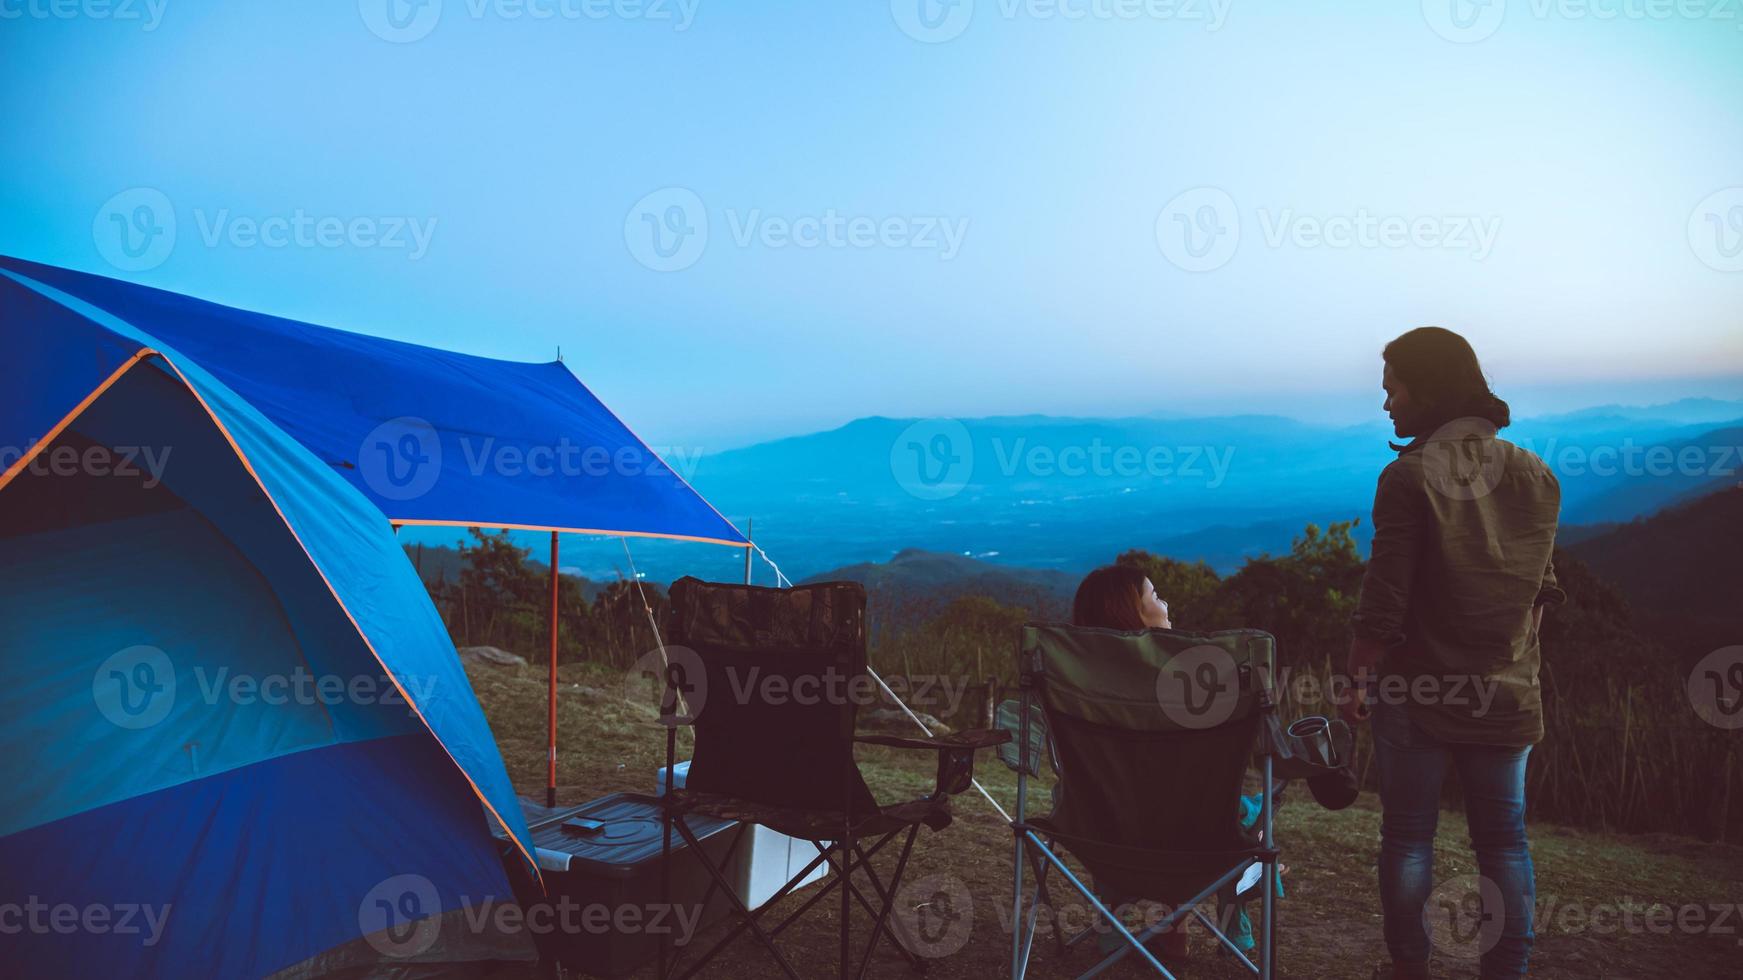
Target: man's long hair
[1440,370]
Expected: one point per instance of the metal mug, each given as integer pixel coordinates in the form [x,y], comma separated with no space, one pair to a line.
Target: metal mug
[1313,736]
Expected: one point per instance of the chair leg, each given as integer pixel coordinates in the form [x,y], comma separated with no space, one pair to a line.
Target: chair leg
[1267,935]
[889,900]
[767,941]
[743,914]
[846,884]
[1044,898]
[1033,921]
[1040,868]
[871,909]
[1019,968]
[713,885]
[1223,938]
[827,887]
[1026,926]
[666,863]
[1132,943]
[746,916]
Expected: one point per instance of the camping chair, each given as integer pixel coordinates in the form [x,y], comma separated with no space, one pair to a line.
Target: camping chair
[1151,734]
[774,707]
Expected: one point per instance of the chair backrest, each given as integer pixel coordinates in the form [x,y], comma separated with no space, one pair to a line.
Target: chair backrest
[1152,730]
[784,670]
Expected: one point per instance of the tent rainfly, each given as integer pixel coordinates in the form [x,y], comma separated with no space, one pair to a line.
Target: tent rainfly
[149,772]
[429,436]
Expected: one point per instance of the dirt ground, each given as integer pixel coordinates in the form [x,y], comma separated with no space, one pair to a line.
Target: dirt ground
[1609,906]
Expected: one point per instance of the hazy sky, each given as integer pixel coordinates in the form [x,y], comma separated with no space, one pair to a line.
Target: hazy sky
[743,219]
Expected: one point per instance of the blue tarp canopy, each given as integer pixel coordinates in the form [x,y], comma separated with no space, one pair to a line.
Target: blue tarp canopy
[428,436]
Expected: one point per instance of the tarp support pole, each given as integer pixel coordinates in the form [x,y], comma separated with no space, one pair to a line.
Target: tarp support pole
[750,526]
[551,766]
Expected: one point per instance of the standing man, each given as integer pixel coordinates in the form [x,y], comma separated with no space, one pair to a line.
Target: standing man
[1446,652]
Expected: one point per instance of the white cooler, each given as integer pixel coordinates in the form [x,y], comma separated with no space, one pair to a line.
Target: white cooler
[773,859]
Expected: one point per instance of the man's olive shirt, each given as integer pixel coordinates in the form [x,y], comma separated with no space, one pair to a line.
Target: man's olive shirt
[1464,527]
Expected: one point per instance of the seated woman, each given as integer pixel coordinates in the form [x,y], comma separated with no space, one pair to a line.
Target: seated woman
[1122,597]
[1119,597]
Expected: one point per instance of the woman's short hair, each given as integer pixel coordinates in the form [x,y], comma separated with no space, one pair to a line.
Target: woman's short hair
[1108,598]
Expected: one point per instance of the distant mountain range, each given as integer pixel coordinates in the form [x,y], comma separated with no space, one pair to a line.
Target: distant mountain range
[1686,411]
[1678,571]
[1070,493]
[914,585]
[1067,494]
[1667,537]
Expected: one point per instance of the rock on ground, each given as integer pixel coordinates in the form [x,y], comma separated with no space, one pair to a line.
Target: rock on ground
[494,656]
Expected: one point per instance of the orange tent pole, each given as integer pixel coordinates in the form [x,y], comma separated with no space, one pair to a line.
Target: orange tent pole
[551,768]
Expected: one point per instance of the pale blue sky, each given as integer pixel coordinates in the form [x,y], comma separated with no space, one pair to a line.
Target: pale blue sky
[1017,188]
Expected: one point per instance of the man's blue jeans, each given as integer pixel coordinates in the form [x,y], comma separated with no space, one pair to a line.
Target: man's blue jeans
[1412,766]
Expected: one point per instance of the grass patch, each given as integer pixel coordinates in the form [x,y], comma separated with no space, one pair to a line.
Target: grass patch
[1329,924]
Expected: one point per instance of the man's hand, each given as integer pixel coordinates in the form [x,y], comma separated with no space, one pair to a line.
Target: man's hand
[1364,667]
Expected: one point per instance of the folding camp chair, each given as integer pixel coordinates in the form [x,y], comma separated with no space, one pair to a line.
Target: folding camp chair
[1151,734]
[781,675]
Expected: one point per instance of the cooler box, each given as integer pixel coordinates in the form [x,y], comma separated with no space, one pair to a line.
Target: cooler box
[766,860]
[603,889]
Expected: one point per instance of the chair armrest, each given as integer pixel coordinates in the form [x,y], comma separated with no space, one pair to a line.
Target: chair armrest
[955,754]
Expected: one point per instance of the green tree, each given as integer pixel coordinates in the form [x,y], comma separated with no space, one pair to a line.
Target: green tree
[504,600]
[1186,586]
[1304,598]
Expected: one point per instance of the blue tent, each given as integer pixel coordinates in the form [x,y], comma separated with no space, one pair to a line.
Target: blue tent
[237,738]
